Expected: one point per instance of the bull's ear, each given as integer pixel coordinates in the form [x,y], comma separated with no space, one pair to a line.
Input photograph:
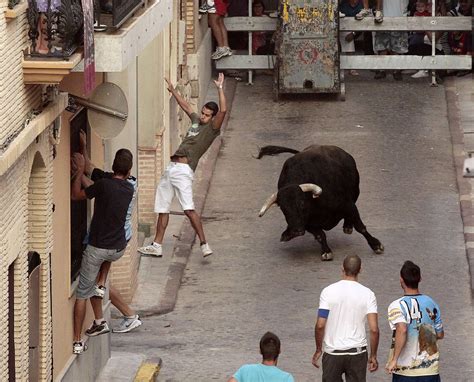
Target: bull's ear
[311,187]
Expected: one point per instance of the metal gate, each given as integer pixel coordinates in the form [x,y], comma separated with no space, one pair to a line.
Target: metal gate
[307,54]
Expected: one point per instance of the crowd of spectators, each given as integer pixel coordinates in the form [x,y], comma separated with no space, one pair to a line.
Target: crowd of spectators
[413,43]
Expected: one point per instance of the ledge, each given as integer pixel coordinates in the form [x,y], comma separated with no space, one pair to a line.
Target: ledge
[27,136]
[39,70]
[17,10]
[114,51]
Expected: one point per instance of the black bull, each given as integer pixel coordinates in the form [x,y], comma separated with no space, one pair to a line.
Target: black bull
[317,188]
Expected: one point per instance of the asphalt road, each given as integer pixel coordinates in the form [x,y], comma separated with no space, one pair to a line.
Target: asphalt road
[398,134]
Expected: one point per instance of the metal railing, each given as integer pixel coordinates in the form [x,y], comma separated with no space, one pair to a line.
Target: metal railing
[434,62]
[55,27]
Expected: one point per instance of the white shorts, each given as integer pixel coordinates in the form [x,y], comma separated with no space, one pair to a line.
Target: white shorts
[177,178]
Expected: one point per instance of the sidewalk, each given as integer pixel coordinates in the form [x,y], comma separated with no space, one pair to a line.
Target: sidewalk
[159,279]
[460,105]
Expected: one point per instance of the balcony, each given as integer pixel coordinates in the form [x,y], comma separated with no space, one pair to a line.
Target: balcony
[56,35]
[115,49]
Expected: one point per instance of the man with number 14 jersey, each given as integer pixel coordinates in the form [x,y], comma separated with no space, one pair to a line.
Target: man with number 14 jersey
[416,323]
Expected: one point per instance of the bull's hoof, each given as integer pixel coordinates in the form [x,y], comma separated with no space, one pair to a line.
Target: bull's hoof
[327,256]
[347,230]
[379,249]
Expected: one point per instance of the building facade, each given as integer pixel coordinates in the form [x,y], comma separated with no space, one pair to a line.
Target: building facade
[40,228]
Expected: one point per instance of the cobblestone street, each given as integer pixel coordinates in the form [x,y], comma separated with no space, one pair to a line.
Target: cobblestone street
[398,133]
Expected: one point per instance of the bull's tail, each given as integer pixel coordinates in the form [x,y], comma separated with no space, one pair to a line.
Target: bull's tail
[275,150]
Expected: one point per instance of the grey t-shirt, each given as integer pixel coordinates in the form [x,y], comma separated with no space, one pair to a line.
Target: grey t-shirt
[198,139]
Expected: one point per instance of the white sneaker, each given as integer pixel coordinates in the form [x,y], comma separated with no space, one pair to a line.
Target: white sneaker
[342,15]
[378,17]
[221,52]
[128,324]
[363,13]
[420,74]
[152,250]
[206,250]
[228,51]
[99,291]
[79,347]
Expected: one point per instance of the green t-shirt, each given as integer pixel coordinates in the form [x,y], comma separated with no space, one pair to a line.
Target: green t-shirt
[198,139]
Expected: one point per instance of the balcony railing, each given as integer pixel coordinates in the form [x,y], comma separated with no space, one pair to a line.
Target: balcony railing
[55,27]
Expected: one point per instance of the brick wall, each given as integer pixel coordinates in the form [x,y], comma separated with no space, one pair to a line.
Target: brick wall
[16,99]
[26,216]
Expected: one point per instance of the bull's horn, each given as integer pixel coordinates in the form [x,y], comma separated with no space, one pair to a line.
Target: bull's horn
[270,201]
[310,187]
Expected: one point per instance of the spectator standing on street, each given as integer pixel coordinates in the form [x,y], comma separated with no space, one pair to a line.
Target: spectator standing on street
[107,240]
[267,371]
[344,308]
[415,320]
[178,176]
[392,43]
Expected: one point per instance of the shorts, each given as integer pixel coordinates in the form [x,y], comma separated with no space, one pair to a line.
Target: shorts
[421,378]
[92,260]
[221,7]
[334,366]
[177,179]
[396,42]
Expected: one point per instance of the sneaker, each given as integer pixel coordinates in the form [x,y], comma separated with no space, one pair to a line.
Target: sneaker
[206,250]
[342,15]
[228,51]
[221,52]
[206,8]
[79,347]
[96,330]
[379,74]
[420,74]
[363,13]
[378,17]
[397,75]
[152,250]
[128,324]
[99,291]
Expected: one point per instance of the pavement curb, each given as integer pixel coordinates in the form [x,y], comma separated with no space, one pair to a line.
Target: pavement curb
[184,244]
[464,186]
[148,370]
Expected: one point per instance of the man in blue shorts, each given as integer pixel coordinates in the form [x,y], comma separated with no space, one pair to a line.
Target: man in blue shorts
[415,320]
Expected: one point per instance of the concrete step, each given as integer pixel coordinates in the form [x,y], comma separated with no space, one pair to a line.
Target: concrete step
[121,367]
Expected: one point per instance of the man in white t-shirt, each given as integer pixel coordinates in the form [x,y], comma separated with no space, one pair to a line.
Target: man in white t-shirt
[344,308]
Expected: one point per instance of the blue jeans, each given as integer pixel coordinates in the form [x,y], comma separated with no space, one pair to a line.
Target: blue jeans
[421,378]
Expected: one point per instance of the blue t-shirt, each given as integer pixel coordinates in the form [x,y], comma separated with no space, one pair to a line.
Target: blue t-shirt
[422,316]
[262,373]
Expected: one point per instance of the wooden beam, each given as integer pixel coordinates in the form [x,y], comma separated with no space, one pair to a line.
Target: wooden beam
[241,61]
[406,62]
[245,62]
[407,24]
[250,24]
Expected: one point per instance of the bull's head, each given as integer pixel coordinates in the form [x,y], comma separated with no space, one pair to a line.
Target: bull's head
[293,203]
